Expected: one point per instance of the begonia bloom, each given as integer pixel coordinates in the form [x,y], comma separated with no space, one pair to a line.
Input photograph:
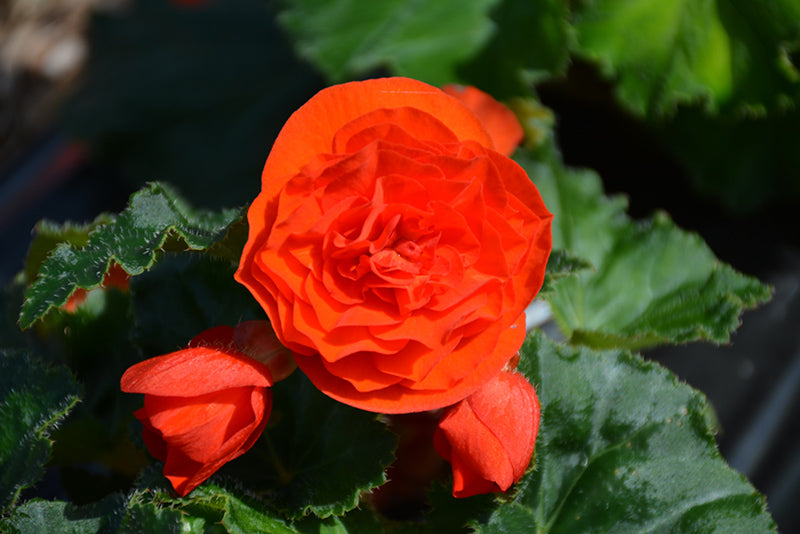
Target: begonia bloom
[393,248]
[204,406]
[489,437]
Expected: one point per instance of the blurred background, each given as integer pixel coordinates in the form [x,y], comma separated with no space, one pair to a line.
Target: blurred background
[98,97]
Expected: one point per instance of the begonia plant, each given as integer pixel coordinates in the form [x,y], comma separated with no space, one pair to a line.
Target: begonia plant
[401,312]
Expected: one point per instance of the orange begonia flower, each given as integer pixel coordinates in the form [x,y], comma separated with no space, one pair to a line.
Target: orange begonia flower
[204,405]
[501,123]
[393,248]
[489,437]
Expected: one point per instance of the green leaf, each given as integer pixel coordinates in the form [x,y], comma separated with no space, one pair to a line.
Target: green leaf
[148,518]
[242,514]
[38,516]
[420,39]
[744,163]
[193,96]
[652,283]
[48,235]
[623,446]
[139,513]
[448,514]
[33,400]
[561,264]
[316,455]
[155,218]
[729,54]
[183,296]
[241,518]
[532,40]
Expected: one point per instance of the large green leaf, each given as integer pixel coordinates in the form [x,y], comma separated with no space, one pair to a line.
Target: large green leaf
[416,38]
[155,215]
[183,296]
[33,399]
[623,446]
[744,163]
[193,96]
[724,53]
[316,455]
[652,282]
[47,235]
[532,41]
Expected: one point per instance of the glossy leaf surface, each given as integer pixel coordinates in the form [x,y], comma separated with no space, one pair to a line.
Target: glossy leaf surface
[652,283]
[623,447]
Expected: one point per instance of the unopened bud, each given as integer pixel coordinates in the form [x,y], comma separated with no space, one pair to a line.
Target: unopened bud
[257,339]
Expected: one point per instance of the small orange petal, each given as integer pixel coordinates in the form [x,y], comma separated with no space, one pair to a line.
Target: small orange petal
[500,122]
[194,371]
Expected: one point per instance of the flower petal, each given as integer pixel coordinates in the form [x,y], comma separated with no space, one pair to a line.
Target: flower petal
[194,371]
[500,122]
[311,129]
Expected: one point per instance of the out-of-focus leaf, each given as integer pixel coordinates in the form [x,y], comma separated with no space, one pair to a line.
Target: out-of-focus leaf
[623,446]
[415,38]
[448,514]
[183,296]
[727,54]
[652,282]
[155,215]
[11,298]
[744,163]
[33,400]
[316,455]
[532,40]
[193,96]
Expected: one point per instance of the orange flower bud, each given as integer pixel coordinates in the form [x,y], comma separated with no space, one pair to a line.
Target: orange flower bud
[204,406]
[257,339]
[393,248]
[501,123]
[489,437]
